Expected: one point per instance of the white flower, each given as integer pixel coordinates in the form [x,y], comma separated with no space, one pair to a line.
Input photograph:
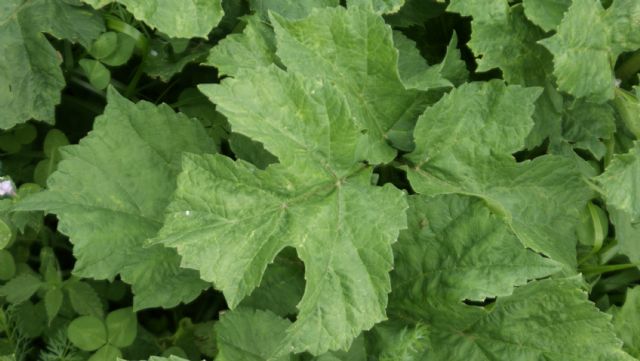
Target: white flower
[7,188]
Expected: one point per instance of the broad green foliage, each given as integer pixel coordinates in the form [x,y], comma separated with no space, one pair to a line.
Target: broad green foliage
[124,172]
[379,6]
[359,57]
[319,180]
[182,19]
[621,182]
[584,56]
[481,10]
[315,200]
[30,74]
[549,319]
[456,249]
[293,9]
[466,142]
[627,323]
[547,14]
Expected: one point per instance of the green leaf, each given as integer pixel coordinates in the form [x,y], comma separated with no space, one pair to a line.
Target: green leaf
[87,333]
[163,63]
[314,200]
[184,19]
[620,182]
[7,265]
[588,126]
[105,45]
[98,75]
[281,288]
[106,353]
[464,145]
[54,139]
[413,68]
[481,10]
[511,45]
[291,9]
[6,233]
[626,321]
[84,299]
[122,327]
[53,302]
[253,152]
[29,68]
[251,335]
[254,47]
[359,57]
[581,54]
[20,288]
[544,320]
[547,14]
[456,250]
[122,175]
[123,52]
[378,6]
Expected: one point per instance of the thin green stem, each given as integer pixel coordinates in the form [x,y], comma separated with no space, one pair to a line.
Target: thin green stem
[607,268]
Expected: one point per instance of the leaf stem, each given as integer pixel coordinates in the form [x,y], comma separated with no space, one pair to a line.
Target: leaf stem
[607,268]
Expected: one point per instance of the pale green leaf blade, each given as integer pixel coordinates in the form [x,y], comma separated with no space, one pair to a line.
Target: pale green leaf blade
[281,288]
[121,177]
[546,320]
[480,118]
[481,10]
[547,14]
[254,47]
[414,71]
[30,76]
[539,199]
[84,299]
[623,18]
[315,200]
[511,45]
[378,6]
[621,182]
[290,9]
[21,288]
[582,54]
[588,126]
[464,146]
[321,222]
[457,250]
[626,320]
[251,335]
[182,19]
[358,56]
[270,113]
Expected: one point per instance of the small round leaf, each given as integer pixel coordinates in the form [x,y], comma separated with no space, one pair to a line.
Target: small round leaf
[123,52]
[6,234]
[55,139]
[25,134]
[7,266]
[105,45]
[122,327]
[98,75]
[106,353]
[87,333]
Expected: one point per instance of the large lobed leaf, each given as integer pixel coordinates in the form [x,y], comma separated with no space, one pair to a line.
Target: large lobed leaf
[443,259]
[230,219]
[179,19]
[30,76]
[110,194]
[464,144]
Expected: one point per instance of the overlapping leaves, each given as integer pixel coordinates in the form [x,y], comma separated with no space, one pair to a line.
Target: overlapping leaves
[110,193]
